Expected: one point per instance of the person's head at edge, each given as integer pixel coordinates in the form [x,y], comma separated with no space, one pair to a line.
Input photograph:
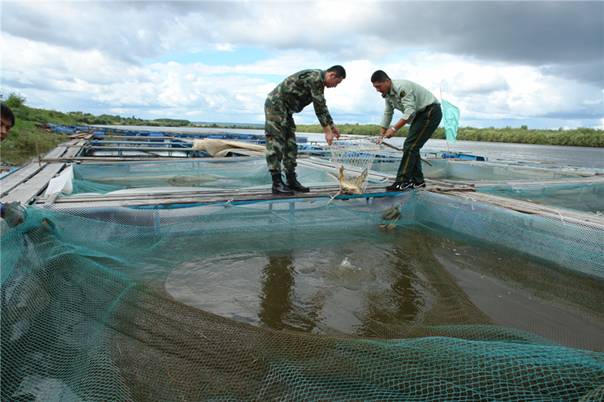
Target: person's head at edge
[381,82]
[334,75]
[7,121]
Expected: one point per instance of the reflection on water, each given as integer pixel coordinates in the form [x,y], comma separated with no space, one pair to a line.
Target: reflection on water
[276,291]
[390,284]
[401,302]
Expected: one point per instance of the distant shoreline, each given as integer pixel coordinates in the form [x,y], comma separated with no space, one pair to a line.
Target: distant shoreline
[29,137]
[581,137]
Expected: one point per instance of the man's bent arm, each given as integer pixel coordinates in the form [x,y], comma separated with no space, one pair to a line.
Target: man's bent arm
[388,112]
[320,105]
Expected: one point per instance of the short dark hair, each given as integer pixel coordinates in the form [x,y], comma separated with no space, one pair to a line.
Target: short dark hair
[379,76]
[6,113]
[339,70]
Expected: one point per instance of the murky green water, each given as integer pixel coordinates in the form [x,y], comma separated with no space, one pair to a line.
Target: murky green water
[385,283]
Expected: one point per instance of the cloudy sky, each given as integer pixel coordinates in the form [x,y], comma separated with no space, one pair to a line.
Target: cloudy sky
[503,63]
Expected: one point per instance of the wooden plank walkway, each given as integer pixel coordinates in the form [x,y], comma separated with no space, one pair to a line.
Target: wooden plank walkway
[8,183]
[29,181]
[135,197]
[186,197]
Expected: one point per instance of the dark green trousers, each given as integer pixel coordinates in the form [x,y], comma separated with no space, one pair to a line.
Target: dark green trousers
[424,125]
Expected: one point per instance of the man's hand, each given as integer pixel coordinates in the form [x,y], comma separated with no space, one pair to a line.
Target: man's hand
[385,133]
[380,138]
[329,135]
[389,133]
[335,131]
[13,213]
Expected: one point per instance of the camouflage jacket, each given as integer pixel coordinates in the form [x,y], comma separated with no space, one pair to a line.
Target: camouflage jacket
[301,88]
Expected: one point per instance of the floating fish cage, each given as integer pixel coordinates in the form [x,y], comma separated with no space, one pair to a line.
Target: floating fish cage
[580,190]
[224,173]
[473,171]
[113,142]
[153,144]
[586,195]
[183,283]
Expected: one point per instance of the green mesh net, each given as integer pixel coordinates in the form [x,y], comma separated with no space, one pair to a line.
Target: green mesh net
[414,297]
[207,174]
[588,197]
[443,169]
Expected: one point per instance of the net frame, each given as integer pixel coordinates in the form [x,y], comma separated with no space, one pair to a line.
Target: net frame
[355,156]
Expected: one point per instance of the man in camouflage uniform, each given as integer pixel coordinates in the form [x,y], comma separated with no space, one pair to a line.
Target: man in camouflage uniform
[291,96]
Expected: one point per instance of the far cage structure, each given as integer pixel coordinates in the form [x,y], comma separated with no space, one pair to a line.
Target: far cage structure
[355,156]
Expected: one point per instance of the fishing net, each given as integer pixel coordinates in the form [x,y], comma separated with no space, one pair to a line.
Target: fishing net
[363,299]
[440,169]
[581,196]
[354,153]
[201,174]
[355,157]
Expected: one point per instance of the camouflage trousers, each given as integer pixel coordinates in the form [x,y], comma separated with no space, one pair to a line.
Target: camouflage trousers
[280,131]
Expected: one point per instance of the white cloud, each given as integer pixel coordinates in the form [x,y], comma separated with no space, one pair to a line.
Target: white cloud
[88,56]
[225,47]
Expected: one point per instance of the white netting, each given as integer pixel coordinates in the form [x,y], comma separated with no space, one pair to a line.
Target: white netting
[355,156]
[354,153]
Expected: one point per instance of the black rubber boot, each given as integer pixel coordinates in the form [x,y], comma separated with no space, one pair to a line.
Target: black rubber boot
[278,186]
[294,184]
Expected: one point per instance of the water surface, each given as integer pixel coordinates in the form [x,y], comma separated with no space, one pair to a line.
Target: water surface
[390,284]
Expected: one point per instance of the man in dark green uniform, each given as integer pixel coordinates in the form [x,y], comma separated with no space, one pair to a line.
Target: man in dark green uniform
[291,96]
[419,107]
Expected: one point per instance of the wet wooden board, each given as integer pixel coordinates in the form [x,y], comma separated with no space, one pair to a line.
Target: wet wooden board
[177,196]
[29,185]
[188,193]
[209,199]
[8,183]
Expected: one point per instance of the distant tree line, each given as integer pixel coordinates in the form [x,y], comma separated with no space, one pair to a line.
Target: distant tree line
[585,137]
[107,119]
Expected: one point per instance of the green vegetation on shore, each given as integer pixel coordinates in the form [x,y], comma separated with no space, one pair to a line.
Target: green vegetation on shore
[30,138]
[107,119]
[583,137]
